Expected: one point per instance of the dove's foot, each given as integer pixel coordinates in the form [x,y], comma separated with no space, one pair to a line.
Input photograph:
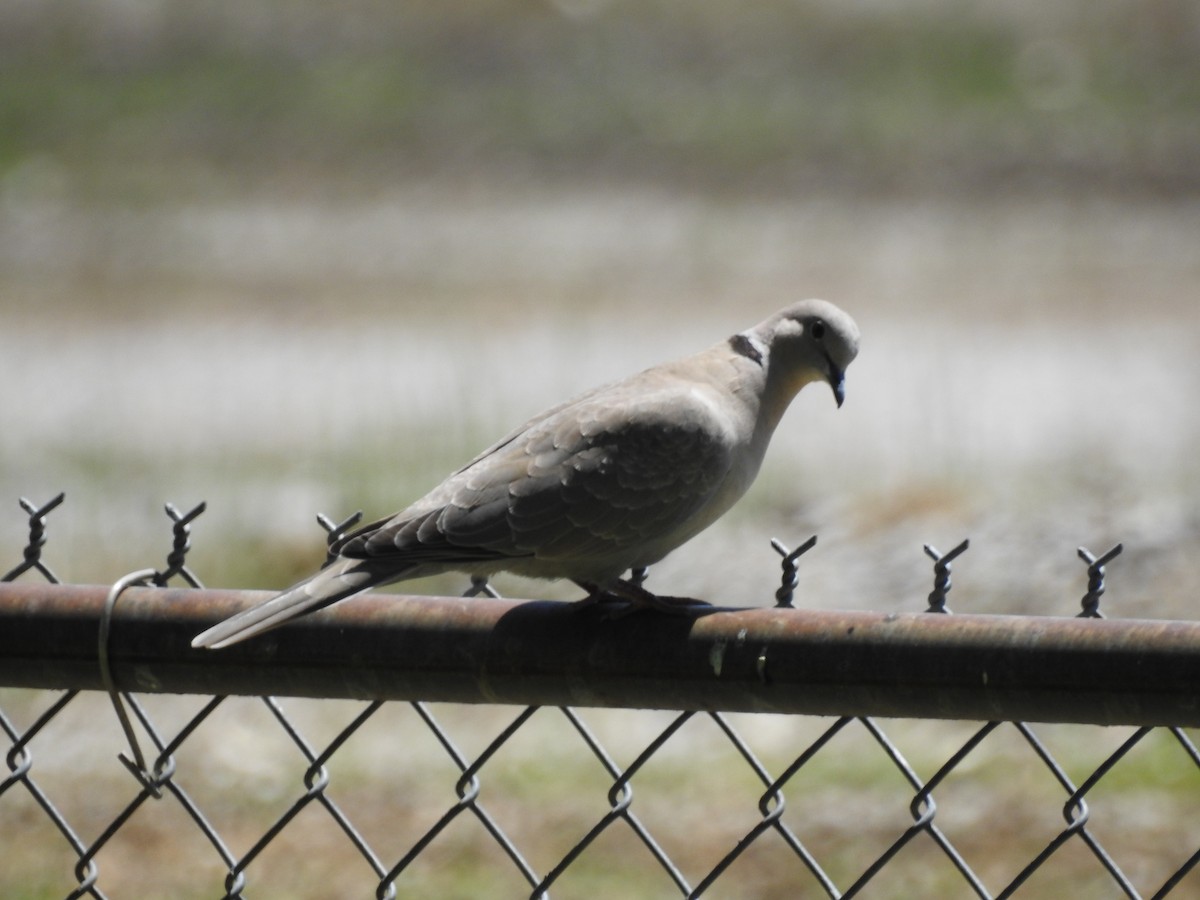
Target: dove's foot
[634,597]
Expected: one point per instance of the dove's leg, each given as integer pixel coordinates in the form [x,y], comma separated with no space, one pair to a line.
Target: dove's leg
[636,596]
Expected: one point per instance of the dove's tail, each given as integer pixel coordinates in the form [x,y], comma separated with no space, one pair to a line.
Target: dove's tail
[340,579]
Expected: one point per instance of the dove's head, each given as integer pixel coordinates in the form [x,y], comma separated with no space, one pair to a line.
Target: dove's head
[809,341]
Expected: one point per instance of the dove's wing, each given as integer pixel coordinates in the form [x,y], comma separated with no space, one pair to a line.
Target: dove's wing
[597,485]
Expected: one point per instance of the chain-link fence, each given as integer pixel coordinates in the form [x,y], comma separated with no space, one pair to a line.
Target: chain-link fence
[491,748]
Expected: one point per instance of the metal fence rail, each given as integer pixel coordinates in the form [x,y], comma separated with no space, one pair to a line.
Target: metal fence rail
[824,800]
[485,650]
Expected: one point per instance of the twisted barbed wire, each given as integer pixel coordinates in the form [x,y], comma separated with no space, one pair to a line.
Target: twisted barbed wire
[941,575]
[1095,589]
[37,540]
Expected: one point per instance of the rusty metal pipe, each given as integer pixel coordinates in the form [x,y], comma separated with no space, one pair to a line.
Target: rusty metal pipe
[481,650]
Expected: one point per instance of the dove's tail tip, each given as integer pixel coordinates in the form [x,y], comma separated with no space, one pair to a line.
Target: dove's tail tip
[326,587]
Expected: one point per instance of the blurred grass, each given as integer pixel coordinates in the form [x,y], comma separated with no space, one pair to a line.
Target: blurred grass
[154,101]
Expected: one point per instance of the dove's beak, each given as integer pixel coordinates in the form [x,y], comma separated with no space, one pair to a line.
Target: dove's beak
[837,381]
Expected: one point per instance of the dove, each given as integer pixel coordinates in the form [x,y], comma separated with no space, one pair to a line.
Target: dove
[610,481]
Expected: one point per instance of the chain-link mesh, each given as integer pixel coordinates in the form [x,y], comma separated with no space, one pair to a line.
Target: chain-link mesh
[335,798]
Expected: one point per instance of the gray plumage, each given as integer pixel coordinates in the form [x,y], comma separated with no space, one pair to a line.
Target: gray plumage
[609,481]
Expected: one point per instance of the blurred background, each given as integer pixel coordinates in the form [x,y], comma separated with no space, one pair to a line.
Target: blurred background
[305,257]
[298,257]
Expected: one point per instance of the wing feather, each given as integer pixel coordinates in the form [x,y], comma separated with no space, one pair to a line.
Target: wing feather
[601,476]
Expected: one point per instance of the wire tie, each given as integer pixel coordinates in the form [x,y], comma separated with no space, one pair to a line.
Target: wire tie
[138,765]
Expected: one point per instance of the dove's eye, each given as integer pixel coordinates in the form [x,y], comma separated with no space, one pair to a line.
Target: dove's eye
[818,329]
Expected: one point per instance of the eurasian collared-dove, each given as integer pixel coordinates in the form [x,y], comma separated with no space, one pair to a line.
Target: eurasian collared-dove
[612,480]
